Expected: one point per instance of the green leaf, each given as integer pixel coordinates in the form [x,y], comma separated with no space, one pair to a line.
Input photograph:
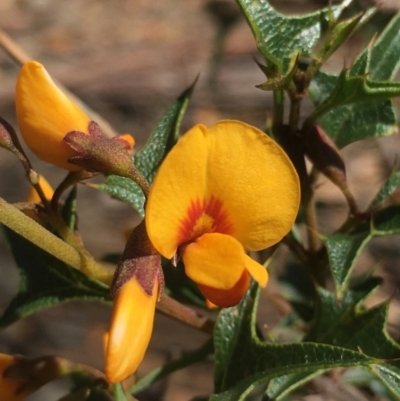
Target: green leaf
[69,210]
[366,119]
[150,157]
[281,386]
[389,187]
[390,376]
[277,360]
[343,250]
[352,89]
[243,361]
[338,33]
[329,314]
[360,377]
[187,359]
[346,324]
[179,286]
[332,314]
[45,281]
[279,36]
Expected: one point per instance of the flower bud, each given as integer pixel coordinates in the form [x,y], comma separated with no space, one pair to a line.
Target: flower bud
[45,115]
[322,151]
[96,152]
[136,287]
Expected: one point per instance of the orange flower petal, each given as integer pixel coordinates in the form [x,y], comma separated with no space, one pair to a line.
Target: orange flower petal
[256,181]
[179,184]
[130,331]
[129,139]
[9,387]
[215,260]
[257,271]
[232,179]
[48,191]
[227,298]
[45,115]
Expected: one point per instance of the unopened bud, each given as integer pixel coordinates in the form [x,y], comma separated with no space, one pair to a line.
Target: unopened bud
[96,152]
[137,284]
[323,153]
[139,260]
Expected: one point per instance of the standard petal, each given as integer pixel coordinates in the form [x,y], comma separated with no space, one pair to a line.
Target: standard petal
[45,115]
[176,201]
[130,331]
[215,260]
[227,298]
[256,181]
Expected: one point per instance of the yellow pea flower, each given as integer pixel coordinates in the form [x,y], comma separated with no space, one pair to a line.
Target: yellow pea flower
[9,388]
[130,330]
[45,115]
[221,191]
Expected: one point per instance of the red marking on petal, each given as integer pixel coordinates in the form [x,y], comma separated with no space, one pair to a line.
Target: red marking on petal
[204,217]
[222,223]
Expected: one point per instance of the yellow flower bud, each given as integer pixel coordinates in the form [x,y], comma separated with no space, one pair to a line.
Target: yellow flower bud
[130,331]
[45,115]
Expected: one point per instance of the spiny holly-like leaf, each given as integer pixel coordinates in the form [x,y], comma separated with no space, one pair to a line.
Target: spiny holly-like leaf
[149,158]
[329,313]
[344,323]
[279,36]
[352,89]
[274,360]
[243,361]
[389,187]
[45,281]
[370,118]
[386,222]
[343,250]
[280,387]
[338,33]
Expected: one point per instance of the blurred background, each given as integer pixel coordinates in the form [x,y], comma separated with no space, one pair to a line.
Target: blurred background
[128,60]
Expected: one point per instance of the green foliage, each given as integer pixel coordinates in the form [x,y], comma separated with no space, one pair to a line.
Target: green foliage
[367,116]
[329,329]
[45,281]
[149,158]
[243,361]
[344,248]
[297,34]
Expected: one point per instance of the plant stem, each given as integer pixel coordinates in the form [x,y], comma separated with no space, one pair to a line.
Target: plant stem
[184,314]
[279,103]
[306,183]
